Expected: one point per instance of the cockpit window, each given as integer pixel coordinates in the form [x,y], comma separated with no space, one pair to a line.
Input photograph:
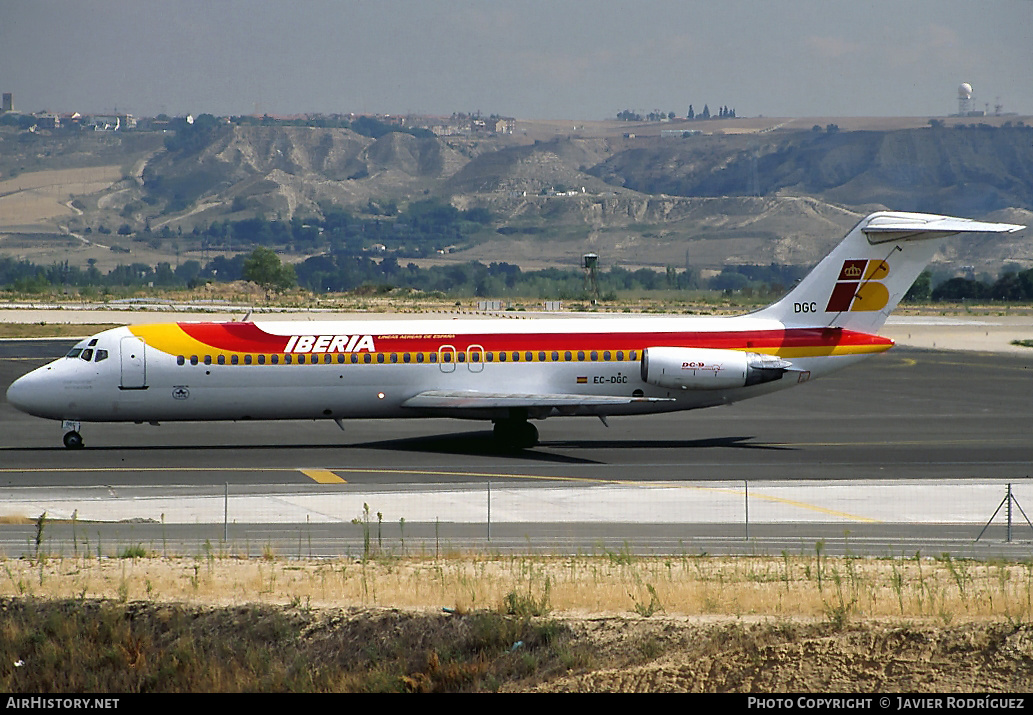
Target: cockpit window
[87,354]
[74,352]
[101,355]
[92,342]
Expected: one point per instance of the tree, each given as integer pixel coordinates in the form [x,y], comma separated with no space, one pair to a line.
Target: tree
[264,268]
[921,289]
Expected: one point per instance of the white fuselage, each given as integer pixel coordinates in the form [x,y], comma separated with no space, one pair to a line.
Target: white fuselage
[154,376]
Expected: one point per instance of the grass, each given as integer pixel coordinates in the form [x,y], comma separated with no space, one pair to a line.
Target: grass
[806,585]
[136,622]
[51,330]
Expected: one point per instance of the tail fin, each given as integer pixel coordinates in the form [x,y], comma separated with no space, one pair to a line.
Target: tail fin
[859,284]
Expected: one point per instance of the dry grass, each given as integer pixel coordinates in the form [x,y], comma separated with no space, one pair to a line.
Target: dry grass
[51,330]
[794,586]
[38,197]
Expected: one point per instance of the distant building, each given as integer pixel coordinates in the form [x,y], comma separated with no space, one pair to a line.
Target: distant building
[111,122]
[47,120]
[8,103]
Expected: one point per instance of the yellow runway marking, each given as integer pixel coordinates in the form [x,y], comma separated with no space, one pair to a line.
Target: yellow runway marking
[323,476]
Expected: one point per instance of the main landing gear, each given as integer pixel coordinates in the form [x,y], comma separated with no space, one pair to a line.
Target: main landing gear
[516,434]
[72,438]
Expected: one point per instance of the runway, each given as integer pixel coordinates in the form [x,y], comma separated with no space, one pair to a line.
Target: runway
[907,414]
[910,417]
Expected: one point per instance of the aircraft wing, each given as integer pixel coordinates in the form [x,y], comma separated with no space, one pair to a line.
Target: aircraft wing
[476,400]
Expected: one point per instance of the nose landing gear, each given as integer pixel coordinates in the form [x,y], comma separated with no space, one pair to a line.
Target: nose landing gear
[72,438]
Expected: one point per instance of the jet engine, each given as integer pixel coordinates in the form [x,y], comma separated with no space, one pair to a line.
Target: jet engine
[709,369]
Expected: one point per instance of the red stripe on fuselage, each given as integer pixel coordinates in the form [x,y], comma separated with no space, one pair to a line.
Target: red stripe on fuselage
[235,337]
[248,338]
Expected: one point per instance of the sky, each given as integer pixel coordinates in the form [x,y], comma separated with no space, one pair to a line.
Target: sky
[530,59]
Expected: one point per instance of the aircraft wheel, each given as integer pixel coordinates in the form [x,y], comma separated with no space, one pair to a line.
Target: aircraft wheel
[73,440]
[516,434]
[527,435]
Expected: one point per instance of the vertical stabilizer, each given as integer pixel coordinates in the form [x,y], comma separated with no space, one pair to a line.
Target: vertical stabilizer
[861,282]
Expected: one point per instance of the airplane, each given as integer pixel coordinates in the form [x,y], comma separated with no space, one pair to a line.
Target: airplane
[502,370]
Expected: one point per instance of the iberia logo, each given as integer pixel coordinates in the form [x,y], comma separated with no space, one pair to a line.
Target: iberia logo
[858,287]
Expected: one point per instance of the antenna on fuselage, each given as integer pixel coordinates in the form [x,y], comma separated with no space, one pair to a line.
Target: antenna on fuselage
[249,312]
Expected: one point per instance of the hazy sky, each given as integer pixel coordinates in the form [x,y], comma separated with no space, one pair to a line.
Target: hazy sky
[583,59]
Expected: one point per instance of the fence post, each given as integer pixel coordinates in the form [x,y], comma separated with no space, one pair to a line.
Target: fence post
[747,498]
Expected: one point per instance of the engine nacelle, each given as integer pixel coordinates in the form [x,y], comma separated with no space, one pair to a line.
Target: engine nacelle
[709,369]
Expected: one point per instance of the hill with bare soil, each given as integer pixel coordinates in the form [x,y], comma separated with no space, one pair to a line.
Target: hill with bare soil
[737,193]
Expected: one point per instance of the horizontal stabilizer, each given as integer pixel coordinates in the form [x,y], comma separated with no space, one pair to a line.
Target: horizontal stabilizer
[899,226]
[474,400]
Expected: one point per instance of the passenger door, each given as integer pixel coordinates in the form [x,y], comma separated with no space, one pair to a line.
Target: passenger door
[134,364]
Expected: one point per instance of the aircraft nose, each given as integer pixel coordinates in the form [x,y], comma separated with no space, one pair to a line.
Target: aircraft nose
[20,392]
[30,394]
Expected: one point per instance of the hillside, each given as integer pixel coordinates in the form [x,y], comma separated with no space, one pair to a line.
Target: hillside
[961,170]
[733,195]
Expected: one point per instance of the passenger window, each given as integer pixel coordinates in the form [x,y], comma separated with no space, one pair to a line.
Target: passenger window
[394,357]
[541,356]
[406,357]
[620,354]
[222,360]
[355,358]
[327,359]
[433,357]
[367,358]
[380,357]
[516,356]
[566,355]
[461,357]
[502,356]
[235,359]
[606,355]
[340,358]
[419,357]
[555,356]
[274,359]
[594,355]
[529,356]
[101,355]
[261,359]
[247,359]
[580,355]
[87,354]
[193,359]
[633,355]
[207,359]
[180,360]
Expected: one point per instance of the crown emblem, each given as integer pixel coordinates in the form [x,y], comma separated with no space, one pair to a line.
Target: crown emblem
[852,271]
